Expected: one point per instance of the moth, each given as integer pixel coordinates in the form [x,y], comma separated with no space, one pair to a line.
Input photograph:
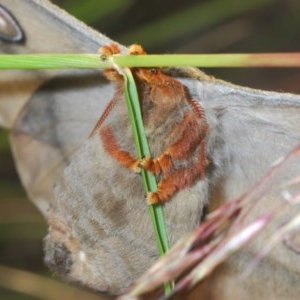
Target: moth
[100,233]
[176,129]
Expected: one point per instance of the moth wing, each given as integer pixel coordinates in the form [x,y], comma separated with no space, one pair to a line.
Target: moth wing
[251,131]
[255,129]
[49,112]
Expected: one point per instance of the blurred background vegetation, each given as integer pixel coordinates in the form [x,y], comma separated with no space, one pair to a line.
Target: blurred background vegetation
[167,26]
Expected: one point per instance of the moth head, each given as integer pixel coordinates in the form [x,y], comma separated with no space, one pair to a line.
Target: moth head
[159,88]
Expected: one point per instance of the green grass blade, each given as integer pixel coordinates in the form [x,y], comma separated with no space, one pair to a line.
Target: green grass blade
[210,60]
[143,150]
[51,61]
[88,61]
[149,180]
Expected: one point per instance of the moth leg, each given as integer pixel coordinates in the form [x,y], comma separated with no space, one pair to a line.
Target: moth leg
[112,147]
[136,50]
[112,49]
[105,52]
[190,136]
[191,132]
[109,50]
[162,164]
[179,179]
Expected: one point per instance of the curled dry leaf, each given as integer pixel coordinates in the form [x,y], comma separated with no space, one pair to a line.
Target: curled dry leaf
[100,232]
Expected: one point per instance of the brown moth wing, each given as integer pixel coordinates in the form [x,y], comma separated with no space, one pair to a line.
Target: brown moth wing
[99,206]
[47,29]
[249,131]
[108,181]
[32,102]
[105,220]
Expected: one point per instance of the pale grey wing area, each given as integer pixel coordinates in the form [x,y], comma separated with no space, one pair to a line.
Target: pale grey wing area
[50,112]
[47,29]
[52,125]
[256,128]
[250,131]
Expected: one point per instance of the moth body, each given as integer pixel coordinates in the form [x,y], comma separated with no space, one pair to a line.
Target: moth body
[175,125]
